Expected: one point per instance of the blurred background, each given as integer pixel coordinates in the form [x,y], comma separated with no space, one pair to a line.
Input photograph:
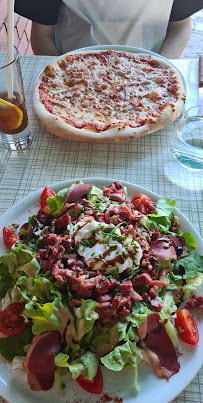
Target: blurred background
[23,27]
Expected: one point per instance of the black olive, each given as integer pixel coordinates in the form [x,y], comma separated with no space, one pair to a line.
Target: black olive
[179,250]
[181,270]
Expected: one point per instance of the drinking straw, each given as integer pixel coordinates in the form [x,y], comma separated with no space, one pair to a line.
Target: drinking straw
[10,16]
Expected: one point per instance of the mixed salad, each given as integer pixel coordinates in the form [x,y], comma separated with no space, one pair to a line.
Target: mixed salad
[95,279]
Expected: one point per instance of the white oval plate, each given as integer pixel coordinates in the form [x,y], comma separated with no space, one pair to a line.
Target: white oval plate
[13,385]
[132,49]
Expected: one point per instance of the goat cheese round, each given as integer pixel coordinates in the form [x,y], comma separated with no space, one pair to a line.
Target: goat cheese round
[104,248]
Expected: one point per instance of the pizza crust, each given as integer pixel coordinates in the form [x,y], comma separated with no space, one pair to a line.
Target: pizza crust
[117,133]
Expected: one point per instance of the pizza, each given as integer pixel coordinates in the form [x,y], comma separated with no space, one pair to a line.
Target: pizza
[107,95]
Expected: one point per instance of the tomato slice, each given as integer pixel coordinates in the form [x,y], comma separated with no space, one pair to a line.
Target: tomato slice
[9,237]
[11,321]
[47,192]
[187,327]
[143,203]
[94,386]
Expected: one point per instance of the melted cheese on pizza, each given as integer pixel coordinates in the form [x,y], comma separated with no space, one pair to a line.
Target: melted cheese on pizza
[106,89]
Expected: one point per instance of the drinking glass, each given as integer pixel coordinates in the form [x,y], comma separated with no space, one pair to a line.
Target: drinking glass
[14,127]
[187,141]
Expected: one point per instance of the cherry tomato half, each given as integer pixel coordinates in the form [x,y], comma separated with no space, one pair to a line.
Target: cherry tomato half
[11,321]
[94,386]
[143,203]
[9,237]
[187,327]
[47,192]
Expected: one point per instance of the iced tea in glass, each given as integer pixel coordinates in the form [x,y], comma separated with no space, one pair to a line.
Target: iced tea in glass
[14,127]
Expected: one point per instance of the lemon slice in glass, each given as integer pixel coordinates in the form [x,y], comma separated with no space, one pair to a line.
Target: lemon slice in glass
[11,116]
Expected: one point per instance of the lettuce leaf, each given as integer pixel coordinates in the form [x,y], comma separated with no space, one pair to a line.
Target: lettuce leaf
[188,266]
[95,195]
[31,268]
[39,287]
[189,240]
[168,307]
[162,218]
[125,355]
[165,207]
[164,210]
[78,333]
[56,202]
[85,316]
[6,280]
[109,335]
[9,260]
[47,317]
[23,255]
[138,314]
[12,346]
[16,257]
[59,373]
[85,365]
[61,360]
[121,356]
[43,316]
[16,260]
[191,285]
[188,274]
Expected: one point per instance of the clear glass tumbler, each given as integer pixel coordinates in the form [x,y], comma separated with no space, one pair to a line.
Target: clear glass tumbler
[14,127]
[187,142]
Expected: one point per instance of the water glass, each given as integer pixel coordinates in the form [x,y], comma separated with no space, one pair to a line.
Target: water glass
[14,127]
[187,141]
